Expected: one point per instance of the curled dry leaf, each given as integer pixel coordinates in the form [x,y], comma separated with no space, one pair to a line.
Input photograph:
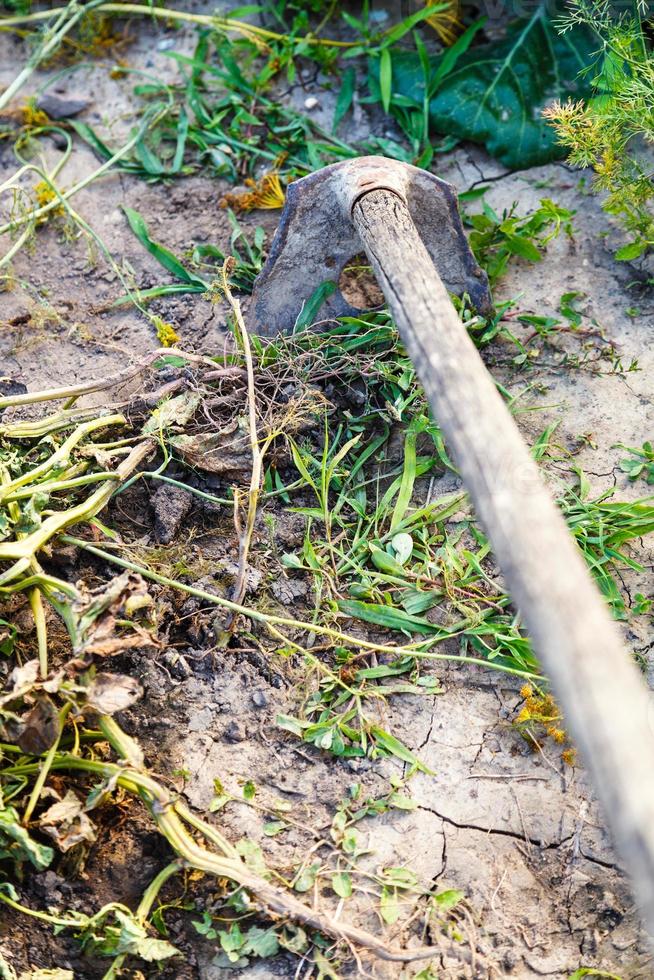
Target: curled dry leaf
[97,611]
[227,452]
[40,727]
[21,681]
[54,682]
[67,823]
[104,790]
[173,413]
[108,693]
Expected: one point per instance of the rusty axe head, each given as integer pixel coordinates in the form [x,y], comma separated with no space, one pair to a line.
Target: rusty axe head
[316,239]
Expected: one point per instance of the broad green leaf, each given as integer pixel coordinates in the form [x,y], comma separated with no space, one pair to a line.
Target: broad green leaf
[169,360]
[290,724]
[133,938]
[385,562]
[522,247]
[17,845]
[390,905]
[260,942]
[274,827]
[401,802]
[402,546]
[388,616]
[447,900]
[345,96]
[232,942]
[631,251]
[309,312]
[8,634]
[305,880]
[342,884]
[494,94]
[383,670]
[408,479]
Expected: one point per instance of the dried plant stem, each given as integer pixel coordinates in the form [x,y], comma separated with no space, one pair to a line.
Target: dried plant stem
[113,380]
[67,17]
[30,216]
[227,24]
[258,452]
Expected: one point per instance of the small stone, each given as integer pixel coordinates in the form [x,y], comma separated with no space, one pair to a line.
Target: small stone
[311,103]
[61,108]
[510,960]
[259,699]
[235,732]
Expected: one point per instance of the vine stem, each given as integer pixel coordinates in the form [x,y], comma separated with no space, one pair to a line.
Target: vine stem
[419,650]
[203,20]
[148,119]
[168,817]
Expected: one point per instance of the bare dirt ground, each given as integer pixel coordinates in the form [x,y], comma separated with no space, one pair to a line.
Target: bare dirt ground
[518,832]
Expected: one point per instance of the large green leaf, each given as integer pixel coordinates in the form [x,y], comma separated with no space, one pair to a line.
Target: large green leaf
[495,92]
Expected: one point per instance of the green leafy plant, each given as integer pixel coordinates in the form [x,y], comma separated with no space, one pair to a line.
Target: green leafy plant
[495,239]
[640,464]
[492,94]
[610,127]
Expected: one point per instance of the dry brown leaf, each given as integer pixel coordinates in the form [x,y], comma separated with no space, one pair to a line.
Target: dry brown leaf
[108,693]
[40,727]
[226,452]
[21,681]
[98,609]
[67,823]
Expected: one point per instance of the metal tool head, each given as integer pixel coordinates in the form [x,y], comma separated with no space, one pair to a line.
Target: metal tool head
[316,239]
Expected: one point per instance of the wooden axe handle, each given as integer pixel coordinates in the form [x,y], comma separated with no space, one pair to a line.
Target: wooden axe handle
[605,701]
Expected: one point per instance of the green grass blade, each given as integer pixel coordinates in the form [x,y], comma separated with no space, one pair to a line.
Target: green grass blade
[163,256]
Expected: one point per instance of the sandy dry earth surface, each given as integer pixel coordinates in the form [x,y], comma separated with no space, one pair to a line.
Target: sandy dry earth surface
[519,833]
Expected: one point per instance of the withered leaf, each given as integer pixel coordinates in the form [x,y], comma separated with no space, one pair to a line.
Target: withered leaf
[40,727]
[108,693]
[226,452]
[101,792]
[97,611]
[21,681]
[173,412]
[67,823]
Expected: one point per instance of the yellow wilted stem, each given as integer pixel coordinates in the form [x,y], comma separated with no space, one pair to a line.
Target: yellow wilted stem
[447,23]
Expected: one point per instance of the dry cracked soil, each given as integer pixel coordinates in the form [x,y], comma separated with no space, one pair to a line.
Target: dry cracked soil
[518,832]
